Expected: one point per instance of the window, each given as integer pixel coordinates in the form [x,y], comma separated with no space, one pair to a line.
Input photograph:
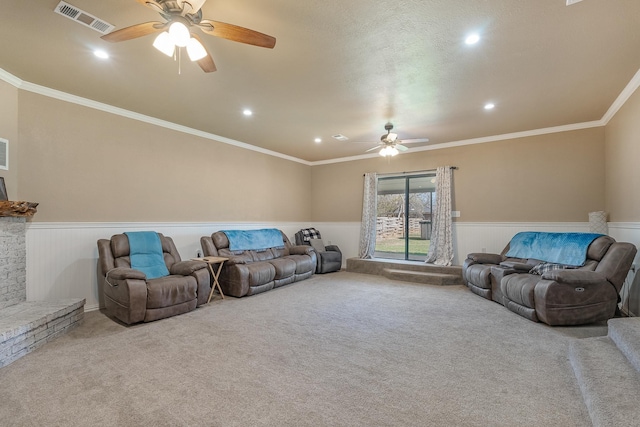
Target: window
[404,207]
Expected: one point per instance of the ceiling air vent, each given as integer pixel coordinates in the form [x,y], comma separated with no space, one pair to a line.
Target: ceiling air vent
[84,18]
[340,137]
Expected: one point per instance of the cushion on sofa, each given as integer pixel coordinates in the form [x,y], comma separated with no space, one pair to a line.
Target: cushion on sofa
[317,244]
[284,267]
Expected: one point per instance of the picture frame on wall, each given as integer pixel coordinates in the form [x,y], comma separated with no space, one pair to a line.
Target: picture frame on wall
[3,190]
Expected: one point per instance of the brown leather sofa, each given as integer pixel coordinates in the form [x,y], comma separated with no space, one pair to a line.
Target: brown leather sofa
[250,272]
[131,298]
[586,294]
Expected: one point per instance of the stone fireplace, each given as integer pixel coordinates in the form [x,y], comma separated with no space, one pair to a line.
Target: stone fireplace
[26,325]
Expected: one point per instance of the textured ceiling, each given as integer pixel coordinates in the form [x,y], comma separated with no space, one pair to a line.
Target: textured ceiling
[345,67]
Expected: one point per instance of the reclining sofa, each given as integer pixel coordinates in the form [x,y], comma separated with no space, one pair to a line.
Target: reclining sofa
[251,271]
[548,291]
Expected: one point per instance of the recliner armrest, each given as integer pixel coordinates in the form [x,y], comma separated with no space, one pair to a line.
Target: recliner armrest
[301,250]
[332,248]
[186,268]
[238,259]
[575,277]
[484,258]
[122,273]
[518,266]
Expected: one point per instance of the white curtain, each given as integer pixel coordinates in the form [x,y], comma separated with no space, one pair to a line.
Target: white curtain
[369,216]
[441,246]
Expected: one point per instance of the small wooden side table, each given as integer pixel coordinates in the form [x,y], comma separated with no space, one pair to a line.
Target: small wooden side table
[210,260]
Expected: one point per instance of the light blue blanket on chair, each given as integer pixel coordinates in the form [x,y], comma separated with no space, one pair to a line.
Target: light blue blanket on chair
[145,252]
[245,240]
[559,248]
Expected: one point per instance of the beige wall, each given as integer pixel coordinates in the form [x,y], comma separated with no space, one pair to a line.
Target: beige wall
[9,131]
[623,163]
[83,164]
[556,178]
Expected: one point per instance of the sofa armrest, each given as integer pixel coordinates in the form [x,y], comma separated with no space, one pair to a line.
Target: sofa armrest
[186,268]
[124,273]
[238,259]
[301,250]
[575,277]
[484,258]
[520,267]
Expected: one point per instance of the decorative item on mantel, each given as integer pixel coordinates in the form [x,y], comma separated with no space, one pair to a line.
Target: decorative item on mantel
[17,208]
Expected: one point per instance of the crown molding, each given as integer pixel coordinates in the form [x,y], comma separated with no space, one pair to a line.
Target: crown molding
[63,96]
[626,93]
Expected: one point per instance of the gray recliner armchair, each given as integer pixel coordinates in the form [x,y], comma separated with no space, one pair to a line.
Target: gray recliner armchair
[329,258]
[130,297]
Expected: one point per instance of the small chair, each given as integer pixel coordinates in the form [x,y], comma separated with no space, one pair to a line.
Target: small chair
[329,258]
[130,297]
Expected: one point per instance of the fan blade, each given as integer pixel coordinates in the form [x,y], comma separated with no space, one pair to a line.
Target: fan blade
[193,5]
[134,31]
[237,34]
[205,63]
[401,147]
[414,141]
[373,148]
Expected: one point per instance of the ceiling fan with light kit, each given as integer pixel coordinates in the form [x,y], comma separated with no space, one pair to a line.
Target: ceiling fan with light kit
[181,16]
[390,145]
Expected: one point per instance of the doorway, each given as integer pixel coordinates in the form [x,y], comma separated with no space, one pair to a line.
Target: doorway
[404,216]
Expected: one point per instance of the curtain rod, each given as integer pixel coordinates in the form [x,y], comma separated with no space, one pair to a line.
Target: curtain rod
[404,173]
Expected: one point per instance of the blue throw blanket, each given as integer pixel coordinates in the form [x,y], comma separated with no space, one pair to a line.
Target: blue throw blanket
[244,240]
[145,252]
[560,248]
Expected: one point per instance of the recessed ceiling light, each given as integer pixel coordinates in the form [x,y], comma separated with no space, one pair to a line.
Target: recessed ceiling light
[489,106]
[101,54]
[247,112]
[472,39]
[318,140]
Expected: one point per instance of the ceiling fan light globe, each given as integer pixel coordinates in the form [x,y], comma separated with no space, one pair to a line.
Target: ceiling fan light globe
[195,50]
[393,151]
[179,34]
[383,152]
[164,43]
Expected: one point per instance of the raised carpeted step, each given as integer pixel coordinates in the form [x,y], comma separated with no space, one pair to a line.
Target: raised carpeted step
[425,277]
[609,383]
[625,333]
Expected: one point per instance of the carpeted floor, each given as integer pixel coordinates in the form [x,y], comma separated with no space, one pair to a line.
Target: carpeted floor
[341,349]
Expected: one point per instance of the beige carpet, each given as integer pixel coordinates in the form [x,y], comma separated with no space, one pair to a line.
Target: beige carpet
[341,349]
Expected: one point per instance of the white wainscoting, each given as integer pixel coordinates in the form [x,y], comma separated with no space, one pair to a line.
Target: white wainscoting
[62,257]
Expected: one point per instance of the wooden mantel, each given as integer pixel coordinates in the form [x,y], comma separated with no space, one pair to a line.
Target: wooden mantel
[17,208]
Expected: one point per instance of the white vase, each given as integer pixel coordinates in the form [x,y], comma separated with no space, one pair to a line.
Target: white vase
[598,222]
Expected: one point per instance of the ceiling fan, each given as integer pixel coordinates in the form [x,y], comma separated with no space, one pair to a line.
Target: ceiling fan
[180,17]
[390,143]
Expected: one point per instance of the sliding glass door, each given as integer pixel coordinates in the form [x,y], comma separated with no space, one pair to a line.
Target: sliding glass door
[405,204]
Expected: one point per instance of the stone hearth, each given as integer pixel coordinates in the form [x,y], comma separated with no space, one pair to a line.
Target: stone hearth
[26,325]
